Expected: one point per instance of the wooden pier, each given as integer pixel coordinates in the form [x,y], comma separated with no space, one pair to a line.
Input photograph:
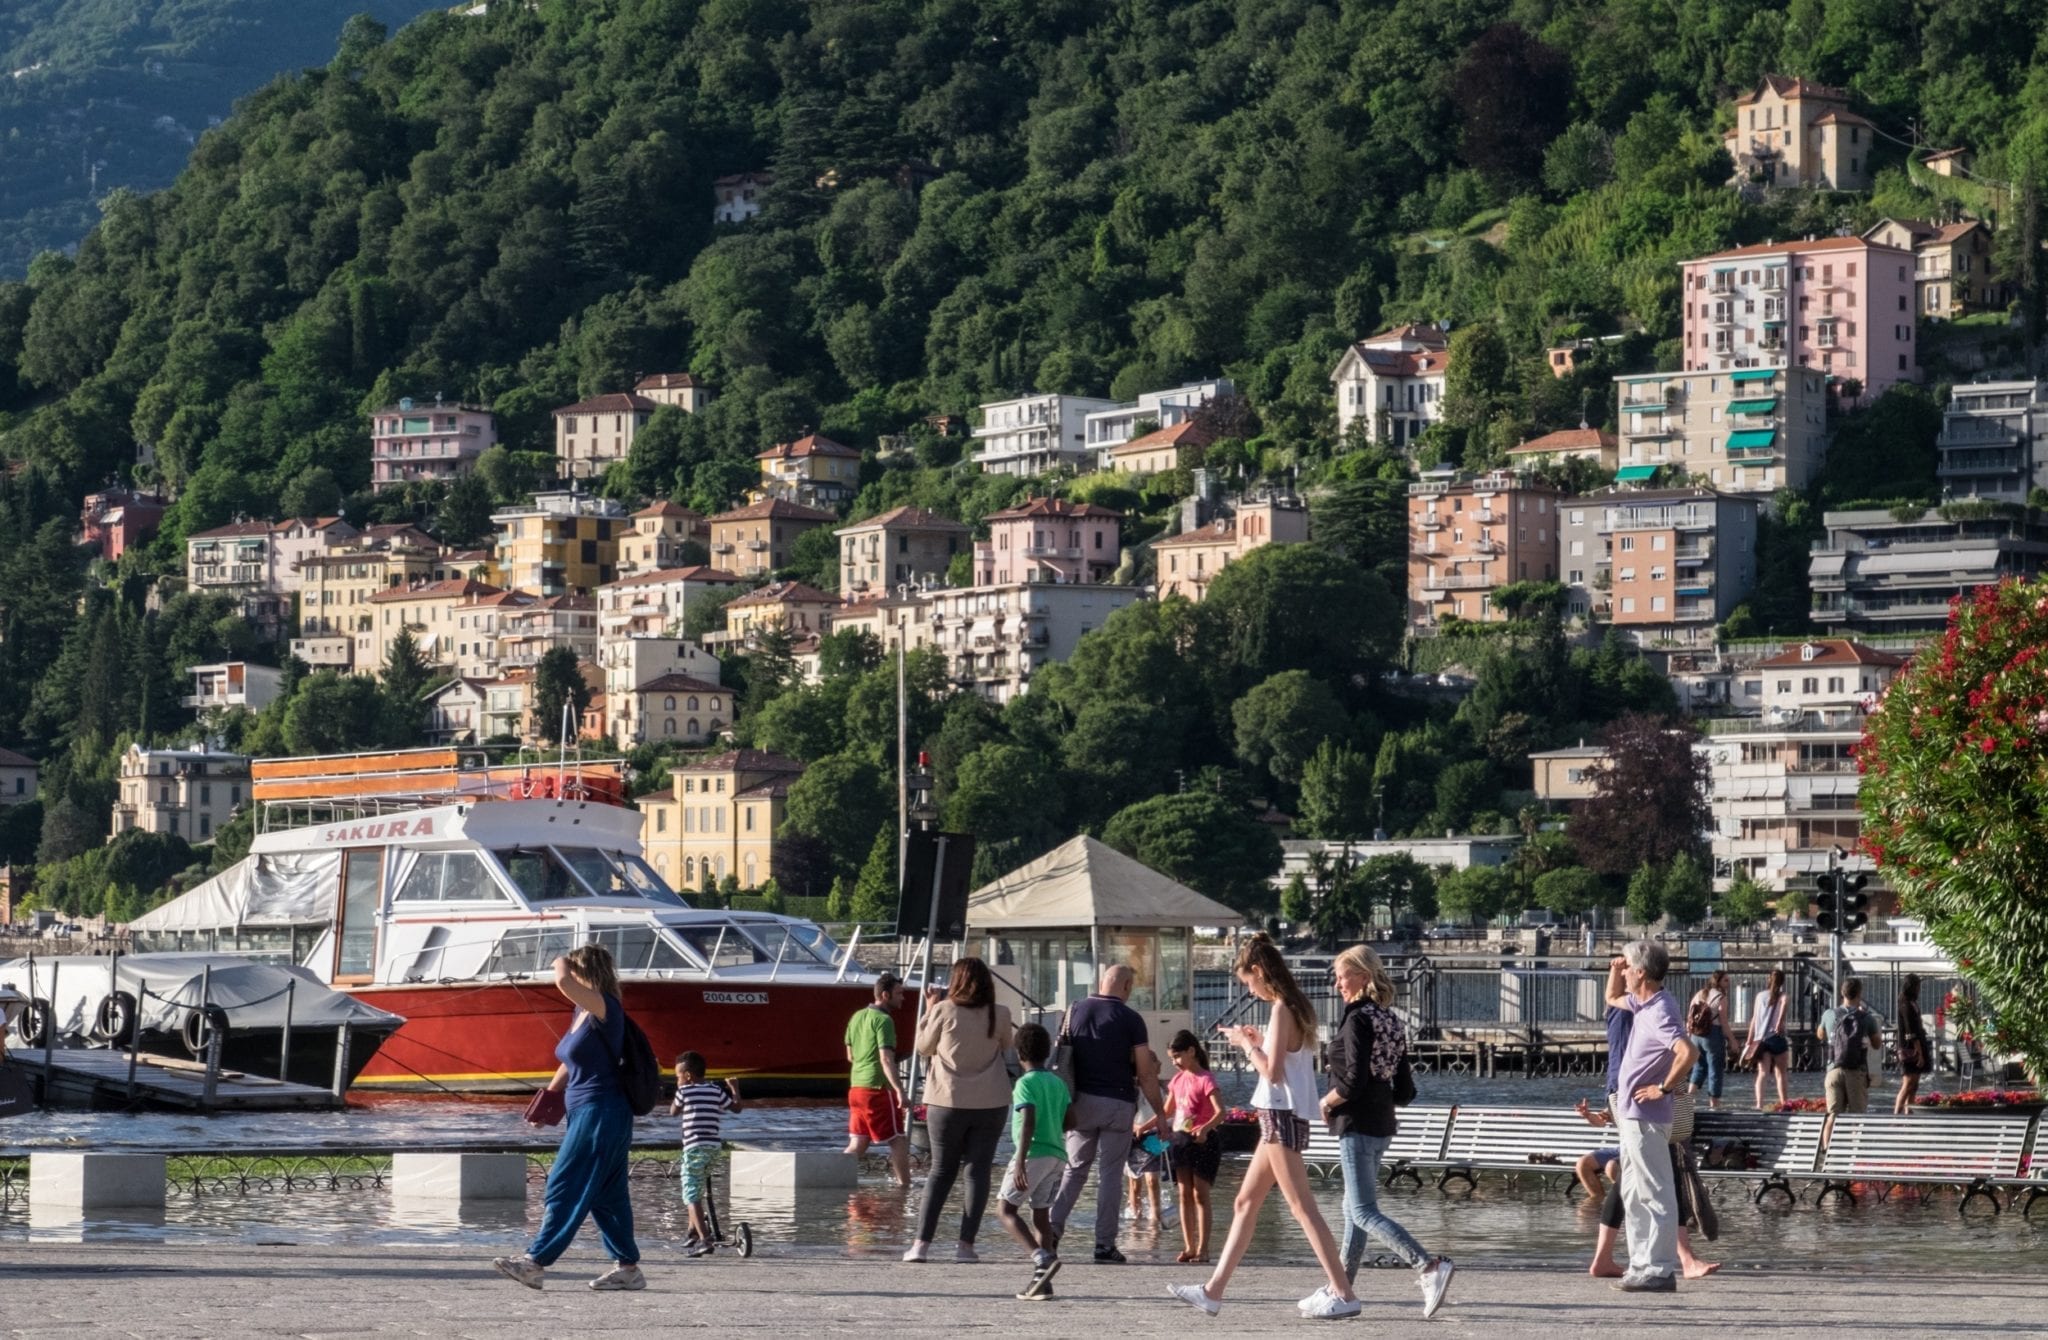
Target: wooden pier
[95,1078]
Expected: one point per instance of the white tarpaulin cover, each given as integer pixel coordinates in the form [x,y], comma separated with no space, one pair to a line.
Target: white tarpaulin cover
[253,994]
[1084,883]
[284,889]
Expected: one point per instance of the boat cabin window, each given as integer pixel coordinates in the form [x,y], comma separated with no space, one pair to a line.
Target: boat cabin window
[640,949]
[539,875]
[722,946]
[550,874]
[449,877]
[781,939]
[529,949]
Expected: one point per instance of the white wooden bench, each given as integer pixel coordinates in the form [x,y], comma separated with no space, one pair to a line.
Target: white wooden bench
[1545,1140]
[1975,1151]
[1783,1145]
[1418,1143]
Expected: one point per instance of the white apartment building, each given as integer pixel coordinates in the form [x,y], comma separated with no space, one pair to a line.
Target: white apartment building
[994,637]
[233,684]
[1989,433]
[1782,786]
[190,792]
[1393,382]
[650,603]
[1033,434]
[1108,428]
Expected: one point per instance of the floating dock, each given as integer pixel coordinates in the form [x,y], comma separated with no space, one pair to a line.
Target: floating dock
[89,1077]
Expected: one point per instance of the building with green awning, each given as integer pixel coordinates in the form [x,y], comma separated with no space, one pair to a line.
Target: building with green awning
[1634,474]
[1749,430]
[1764,406]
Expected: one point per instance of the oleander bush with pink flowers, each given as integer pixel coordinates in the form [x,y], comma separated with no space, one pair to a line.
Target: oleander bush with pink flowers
[1955,803]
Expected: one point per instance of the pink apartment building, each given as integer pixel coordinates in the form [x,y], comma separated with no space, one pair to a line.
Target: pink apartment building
[412,441]
[1841,305]
[1049,540]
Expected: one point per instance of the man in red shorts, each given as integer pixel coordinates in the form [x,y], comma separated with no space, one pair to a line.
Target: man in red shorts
[875,1107]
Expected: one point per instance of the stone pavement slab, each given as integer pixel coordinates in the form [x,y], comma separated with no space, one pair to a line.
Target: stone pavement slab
[51,1291]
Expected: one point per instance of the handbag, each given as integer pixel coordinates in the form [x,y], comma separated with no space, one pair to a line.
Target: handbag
[547,1107]
[1061,1062]
[1404,1084]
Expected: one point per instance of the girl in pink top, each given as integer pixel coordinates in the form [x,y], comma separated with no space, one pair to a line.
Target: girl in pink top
[1195,1108]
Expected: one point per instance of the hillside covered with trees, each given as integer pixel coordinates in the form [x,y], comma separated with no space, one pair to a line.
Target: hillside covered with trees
[972,198]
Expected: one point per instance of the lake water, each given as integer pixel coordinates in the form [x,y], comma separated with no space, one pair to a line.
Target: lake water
[1522,1223]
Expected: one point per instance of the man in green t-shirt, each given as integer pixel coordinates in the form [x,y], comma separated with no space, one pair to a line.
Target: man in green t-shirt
[1038,1125]
[874,1100]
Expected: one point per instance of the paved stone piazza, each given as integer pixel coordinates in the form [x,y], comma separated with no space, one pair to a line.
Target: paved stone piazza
[52,1290]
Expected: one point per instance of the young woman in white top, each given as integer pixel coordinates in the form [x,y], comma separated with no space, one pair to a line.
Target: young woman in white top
[1767,1044]
[1287,1102]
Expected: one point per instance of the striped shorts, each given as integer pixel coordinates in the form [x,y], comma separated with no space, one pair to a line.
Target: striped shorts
[1282,1128]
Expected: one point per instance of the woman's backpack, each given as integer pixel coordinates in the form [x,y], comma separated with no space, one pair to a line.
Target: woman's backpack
[639,1072]
[1700,1021]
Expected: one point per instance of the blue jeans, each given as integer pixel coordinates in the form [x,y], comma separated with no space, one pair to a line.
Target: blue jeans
[1713,1058]
[1361,1155]
[589,1179]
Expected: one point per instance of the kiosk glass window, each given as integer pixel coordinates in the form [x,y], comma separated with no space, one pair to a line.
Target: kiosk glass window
[1173,968]
[1140,950]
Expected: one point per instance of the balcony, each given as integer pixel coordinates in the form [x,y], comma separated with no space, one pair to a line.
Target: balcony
[1486,516]
[1427,552]
[723,548]
[1693,613]
[1488,547]
[322,651]
[1051,551]
[1430,523]
[1458,582]
[757,546]
[1693,553]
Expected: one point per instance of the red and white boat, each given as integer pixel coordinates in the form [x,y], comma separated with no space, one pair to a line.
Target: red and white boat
[451,915]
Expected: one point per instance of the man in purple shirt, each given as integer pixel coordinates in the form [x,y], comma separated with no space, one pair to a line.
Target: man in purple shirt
[1657,1060]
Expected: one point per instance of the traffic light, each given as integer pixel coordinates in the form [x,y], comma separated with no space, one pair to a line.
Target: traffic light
[1828,916]
[1855,903]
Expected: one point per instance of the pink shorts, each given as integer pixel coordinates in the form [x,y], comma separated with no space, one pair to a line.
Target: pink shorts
[872,1114]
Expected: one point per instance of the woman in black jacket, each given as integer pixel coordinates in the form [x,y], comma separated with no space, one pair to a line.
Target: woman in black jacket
[1367,1055]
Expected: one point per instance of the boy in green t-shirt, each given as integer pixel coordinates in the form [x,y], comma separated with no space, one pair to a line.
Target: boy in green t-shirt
[1038,1126]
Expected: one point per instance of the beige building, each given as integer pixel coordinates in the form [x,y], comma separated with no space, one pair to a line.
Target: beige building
[530,631]
[189,792]
[757,539]
[813,470]
[657,537]
[678,709]
[1179,447]
[481,622]
[455,711]
[1566,775]
[629,662]
[680,389]
[1188,562]
[562,542]
[293,542]
[591,434]
[718,818]
[1792,133]
[240,560]
[1393,383]
[656,602]
[1951,266]
[1468,536]
[796,607]
[19,776]
[1581,443]
[433,611]
[1750,430]
[906,545]
[336,622]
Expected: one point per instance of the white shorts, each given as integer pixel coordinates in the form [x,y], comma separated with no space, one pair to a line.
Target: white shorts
[1043,1174]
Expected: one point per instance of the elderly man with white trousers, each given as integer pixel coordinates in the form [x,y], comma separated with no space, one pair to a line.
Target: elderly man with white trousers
[1654,1065]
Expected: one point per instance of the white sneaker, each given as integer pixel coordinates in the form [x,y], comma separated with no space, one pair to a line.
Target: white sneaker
[523,1269]
[1314,1299]
[1195,1296]
[619,1279]
[1331,1308]
[1436,1282]
[918,1252]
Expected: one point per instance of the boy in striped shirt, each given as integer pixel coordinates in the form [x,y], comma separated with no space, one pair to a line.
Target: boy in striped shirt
[701,1103]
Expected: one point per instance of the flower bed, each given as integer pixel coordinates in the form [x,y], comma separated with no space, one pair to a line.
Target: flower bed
[2021,1099]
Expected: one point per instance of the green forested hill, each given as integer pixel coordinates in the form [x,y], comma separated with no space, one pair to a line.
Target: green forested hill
[100,94]
[514,207]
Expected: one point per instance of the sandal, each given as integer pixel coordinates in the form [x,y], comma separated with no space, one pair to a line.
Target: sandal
[1185,1257]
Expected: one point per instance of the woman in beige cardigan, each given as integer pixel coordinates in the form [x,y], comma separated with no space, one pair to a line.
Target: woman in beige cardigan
[967,1098]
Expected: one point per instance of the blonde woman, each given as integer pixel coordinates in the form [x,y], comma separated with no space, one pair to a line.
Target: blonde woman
[1286,1102]
[1366,1060]
[588,1179]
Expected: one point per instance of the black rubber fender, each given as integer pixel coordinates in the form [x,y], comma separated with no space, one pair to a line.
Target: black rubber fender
[197,1026]
[116,1019]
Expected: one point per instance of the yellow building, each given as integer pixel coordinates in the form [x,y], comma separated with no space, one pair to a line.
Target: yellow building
[797,607]
[657,538]
[434,611]
[756,539]
[813,470]
[1176,448]
[563,542]
[336,621]
[719,818]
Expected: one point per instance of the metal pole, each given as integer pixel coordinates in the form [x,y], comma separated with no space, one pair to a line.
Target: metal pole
[49,1032]
[931,933]
[341,1041]
[1835,936]
[284,1057]
[208,1053]
[135,1035]
[213,1043]
[902,768]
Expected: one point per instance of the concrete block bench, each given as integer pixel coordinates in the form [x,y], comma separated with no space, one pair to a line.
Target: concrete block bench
[793,1170]
[107,1181]
[459,1177]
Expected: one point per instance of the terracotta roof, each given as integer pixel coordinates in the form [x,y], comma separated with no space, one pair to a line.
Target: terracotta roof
[1187,433]
[392,534]
[10,759]
[696,572]
[1786,86]
[312,523]
[1842,118]
[1054,507]
[1422,333]
[1943,154]
[234,531]
[775,509]
[502,598]
[860,609]
[811,444]
[1792,248]
[744,760]
[1950,232]
[679,684]
[667,508]
[915,518]
[784,593]
[665,381]
[467,556]
[455,586]
[1917,229]
[1223,530]
[475,686]
[1569,439]
[618,402]
[1832,651]
[567,601]
[1404,363]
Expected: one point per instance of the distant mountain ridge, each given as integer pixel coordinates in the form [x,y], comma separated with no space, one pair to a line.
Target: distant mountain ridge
[102,94]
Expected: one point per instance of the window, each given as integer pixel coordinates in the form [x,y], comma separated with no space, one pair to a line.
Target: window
[1628,543]
[451,877]
[1578,549]
[1810,684]
[1628,604]
[1657,543]
[1625,575]
[748,812]
[668,704]
[1656,604]
[661,819]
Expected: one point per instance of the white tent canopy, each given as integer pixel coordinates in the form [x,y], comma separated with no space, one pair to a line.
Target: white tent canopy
[1084,883]
[283,889]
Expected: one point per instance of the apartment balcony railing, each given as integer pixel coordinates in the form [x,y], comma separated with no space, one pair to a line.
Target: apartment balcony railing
[1693,553]
[1488,547]
[1458,582]
[1051,551]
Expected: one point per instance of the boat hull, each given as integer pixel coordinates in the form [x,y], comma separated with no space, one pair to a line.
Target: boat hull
[779,1039]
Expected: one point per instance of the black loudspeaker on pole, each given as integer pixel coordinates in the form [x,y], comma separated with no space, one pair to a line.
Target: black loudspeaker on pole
[922,875]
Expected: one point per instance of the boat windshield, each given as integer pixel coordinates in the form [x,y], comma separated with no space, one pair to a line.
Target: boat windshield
[551,874]
[786,939]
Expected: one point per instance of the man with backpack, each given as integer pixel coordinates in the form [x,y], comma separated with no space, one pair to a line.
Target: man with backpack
[1850,1031]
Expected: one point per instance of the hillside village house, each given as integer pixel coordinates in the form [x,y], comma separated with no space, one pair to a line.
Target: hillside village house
[1393,383]
[410,441]
[240,560]
[455,711]
[1177,448]
[719,817]
[756,539]
[1796,133]
[1187,563]
[233,684]
[1049,540]
[657,537]
[1753,430]
[115,520]
[680,389]
[1991,444]
[796,607]
[737,198]
[530,631]
[1842,305]
[190,792]
[1108,428]
[433,613]
[20,777]
[904,545]
[1562,776]
[293,542]
[481,623]
[591,434]
[1951,265]
[1035,433]
[1592,444]
[1469,536]
[657,602]
[679,709]
[335,586]
[813,470]
[562,542]
[629,662]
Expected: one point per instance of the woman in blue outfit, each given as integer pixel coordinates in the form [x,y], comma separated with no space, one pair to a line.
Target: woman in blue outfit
[589,1176]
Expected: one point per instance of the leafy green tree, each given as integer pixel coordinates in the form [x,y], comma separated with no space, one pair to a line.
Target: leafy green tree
[1572,891]
[1514,95]
[463,519]
[1295,607]
[1645,899]
[1008,795]
[1744,904]
[312,492]
[1685,890]
[1477,893]
[1204,842]
[1336,793]
[1296,907]
[68,830]
[1285,719]
[333,714]
[875,890]
[842,802]
[406,678]
[558,683]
